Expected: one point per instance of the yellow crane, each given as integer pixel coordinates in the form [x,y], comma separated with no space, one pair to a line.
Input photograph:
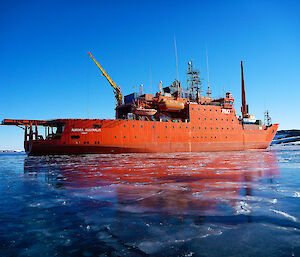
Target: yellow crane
[117,90]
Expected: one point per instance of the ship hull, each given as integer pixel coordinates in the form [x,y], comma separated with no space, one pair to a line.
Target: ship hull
[209,129]
[149,148]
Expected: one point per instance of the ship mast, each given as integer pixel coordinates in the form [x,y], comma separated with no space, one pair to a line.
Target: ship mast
[117,90]
[244,108]
[193,79]
[208,93]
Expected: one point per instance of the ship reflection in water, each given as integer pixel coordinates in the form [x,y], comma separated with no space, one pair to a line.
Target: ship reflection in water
[191,184]
[190,204]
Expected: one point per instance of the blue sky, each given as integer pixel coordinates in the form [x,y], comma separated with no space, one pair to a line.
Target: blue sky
[46,73]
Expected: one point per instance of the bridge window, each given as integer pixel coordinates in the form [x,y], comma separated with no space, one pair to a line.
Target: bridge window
[97,126]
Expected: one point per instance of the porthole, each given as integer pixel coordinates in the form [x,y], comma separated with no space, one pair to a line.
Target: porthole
[133,126]
[115,136]
[124,136]
[199,127]
[135,137]
[124,126]
[141,126]
[166,126]
[153,126]
[166,137]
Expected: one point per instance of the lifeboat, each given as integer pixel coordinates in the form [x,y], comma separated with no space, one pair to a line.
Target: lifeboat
[170,105]
[144,112]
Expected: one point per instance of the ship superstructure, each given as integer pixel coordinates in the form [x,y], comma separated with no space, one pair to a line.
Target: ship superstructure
[175,119]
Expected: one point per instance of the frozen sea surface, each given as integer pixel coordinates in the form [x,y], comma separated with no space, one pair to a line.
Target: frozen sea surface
[182,204]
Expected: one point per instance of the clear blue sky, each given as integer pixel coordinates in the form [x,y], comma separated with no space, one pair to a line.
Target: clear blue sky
[46,73]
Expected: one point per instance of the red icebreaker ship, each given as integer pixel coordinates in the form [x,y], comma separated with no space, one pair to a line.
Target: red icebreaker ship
[176,119]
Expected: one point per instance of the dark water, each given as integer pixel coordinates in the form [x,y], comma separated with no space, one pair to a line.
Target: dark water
[204,204]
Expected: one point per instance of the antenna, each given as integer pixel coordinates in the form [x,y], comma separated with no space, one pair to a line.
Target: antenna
[176,58]
[88,96]
[141,89]
[208,93]
[160,87]
[150,78]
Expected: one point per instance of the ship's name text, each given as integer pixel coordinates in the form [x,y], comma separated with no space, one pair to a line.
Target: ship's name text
[86,130]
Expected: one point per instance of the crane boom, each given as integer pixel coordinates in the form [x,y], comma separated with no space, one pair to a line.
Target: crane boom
[117,90]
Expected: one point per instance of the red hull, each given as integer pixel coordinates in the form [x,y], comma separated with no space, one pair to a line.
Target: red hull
[209,129]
